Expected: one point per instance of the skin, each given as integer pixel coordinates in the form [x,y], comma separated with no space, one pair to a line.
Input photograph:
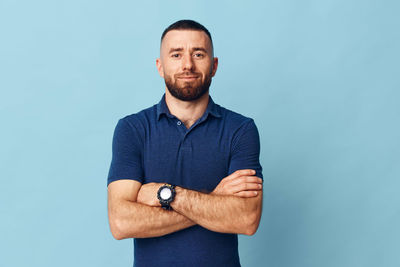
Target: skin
[183,52]
[186,58]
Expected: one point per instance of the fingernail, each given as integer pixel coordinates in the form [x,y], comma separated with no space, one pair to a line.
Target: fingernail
[255,193]
[259,186]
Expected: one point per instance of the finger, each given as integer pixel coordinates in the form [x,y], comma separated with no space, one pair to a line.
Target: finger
[241,180]
[244,179]
[246,194]
[246,186]
[245,172]
[238,173]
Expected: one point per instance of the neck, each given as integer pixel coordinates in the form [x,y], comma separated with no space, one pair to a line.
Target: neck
[186,111]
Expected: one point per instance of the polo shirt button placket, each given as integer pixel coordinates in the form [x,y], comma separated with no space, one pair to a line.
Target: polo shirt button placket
[183,130]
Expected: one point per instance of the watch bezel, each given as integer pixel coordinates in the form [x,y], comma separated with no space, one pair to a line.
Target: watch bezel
[165,202]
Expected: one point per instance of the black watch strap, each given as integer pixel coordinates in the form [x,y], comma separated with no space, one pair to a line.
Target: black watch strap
[165,203]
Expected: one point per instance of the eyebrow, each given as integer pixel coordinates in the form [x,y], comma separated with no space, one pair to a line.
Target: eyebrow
[179,49]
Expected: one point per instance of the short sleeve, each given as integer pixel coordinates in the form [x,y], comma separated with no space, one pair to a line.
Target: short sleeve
[127,149]
[245,150]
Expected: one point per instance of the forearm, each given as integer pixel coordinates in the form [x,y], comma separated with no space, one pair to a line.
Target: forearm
[227,214]
[136,220]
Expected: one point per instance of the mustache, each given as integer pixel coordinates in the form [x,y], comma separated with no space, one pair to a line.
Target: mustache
[187,74]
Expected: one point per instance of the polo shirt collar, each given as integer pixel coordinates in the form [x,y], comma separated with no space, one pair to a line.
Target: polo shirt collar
[212,109]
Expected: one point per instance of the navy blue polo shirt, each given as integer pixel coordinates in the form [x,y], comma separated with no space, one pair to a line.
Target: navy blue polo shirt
[155,146]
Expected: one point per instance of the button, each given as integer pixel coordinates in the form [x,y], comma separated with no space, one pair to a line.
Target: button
[179,123]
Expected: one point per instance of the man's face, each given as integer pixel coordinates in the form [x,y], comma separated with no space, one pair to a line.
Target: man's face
[186,63]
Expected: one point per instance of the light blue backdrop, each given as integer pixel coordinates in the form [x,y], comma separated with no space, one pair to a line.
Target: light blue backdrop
[320,78]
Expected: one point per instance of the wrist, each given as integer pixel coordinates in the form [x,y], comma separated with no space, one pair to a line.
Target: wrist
[166,195]
[180,193]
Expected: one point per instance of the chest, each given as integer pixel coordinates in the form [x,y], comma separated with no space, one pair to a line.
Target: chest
[196,159]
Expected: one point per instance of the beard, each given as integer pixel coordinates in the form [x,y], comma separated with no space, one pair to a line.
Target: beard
[188,91]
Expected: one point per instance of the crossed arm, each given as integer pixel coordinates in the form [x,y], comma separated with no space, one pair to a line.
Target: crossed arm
[233,207]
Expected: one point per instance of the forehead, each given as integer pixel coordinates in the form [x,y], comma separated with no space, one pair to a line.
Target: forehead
[185,39]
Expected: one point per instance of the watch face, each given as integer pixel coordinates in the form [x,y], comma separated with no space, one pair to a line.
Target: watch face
[165,193]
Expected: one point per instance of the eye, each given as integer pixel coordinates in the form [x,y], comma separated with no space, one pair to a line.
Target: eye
[199,55]
[175,55]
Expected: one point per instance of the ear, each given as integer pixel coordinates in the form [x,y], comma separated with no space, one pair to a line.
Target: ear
[160,67]
[215,66]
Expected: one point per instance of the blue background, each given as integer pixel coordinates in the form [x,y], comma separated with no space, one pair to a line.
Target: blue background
[320,78]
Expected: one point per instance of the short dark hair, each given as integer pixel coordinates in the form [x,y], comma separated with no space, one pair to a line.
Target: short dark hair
[186,24]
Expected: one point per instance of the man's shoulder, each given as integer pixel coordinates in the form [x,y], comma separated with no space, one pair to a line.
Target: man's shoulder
[141,117]
[138,122]
[233,118]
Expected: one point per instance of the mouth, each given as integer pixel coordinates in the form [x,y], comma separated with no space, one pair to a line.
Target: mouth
[187,77]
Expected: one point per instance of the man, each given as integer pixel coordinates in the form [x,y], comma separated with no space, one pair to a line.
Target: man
[185,176]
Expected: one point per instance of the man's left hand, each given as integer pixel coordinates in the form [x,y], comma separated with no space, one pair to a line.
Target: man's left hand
[148,194]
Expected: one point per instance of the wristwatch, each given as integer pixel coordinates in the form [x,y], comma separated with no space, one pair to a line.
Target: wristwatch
[166,194]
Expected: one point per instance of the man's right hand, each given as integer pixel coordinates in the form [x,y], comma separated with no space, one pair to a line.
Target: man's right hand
[241,183]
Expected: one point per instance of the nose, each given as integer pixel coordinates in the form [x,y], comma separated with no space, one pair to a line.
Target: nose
[187,62]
